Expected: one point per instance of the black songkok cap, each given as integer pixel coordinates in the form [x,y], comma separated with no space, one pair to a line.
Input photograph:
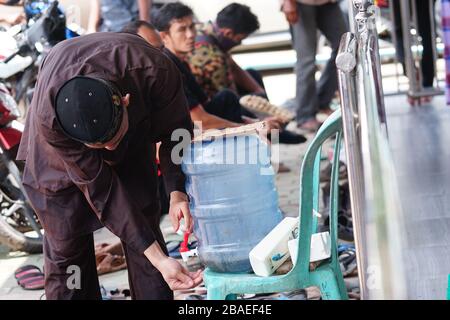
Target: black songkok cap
[89,110]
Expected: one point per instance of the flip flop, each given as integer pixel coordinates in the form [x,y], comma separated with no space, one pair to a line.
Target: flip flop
[107,263]
[24,270]
[347,262]
[32,281]
[99,248]
[30,277]
[173,247]
[114,248]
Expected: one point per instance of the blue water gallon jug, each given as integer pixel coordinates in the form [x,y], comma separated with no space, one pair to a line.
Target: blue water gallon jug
[233,199]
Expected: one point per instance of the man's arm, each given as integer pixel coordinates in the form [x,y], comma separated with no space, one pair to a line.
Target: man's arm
[144,9]
[94,16]
[210,121]
[289,8]
[243,79]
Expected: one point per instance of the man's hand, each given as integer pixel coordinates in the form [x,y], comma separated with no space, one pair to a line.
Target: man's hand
[177,277]
[289,9]
[274,123]
[172,271]
[179,208]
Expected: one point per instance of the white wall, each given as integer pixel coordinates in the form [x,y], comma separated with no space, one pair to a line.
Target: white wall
[268,11]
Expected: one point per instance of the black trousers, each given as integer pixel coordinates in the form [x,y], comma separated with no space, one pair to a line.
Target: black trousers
[71,273]
[424,26]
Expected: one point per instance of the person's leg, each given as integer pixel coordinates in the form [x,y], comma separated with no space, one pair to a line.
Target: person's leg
[424,25]
[225,104]
[399,50]
[331,23]
[154,10]
[305,46]
[146,282]
[256,75]
[70,269]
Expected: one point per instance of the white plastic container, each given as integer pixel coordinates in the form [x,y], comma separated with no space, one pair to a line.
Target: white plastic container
[272,251]
[269,254]
[320,247]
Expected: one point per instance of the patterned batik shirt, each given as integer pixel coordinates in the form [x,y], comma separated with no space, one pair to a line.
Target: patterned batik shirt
[209,63]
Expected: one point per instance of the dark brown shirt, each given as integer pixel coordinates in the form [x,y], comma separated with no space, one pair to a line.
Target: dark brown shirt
[72,187]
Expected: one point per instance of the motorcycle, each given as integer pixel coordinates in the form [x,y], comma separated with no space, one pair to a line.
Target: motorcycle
[25,47]
[19,225]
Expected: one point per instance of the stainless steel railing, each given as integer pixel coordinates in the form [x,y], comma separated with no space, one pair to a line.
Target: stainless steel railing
[373,187]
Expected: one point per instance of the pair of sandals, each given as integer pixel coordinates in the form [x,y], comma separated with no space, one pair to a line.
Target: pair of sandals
[30,277]
[109,258]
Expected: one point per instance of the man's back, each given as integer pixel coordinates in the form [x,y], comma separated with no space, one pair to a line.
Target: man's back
[157,107]
[120,58]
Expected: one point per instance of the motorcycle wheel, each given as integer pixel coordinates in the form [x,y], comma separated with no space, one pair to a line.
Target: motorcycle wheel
[17,218]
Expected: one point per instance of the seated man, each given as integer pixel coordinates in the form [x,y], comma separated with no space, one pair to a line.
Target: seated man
[211,61]
[197,99]
[177,28]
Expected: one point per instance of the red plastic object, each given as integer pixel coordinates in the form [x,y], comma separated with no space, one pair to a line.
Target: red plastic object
[9,137]
[184,245]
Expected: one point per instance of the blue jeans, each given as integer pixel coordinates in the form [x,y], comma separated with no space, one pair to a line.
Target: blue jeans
[328,19]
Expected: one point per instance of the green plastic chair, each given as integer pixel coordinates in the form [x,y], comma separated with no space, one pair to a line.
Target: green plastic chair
[327,276]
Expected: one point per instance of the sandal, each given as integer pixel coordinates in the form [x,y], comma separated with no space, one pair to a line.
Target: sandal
[259,104]
[173,247]
[114,249]
[347,262]
[30,277]
[107,263]
[24,270]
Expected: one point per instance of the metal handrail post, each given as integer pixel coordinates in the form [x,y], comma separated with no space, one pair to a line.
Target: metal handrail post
[367,36]
[346,63]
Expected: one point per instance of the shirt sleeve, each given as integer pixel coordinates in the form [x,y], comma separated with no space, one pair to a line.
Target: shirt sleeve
[192,100]
[103,190]
[171,113]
